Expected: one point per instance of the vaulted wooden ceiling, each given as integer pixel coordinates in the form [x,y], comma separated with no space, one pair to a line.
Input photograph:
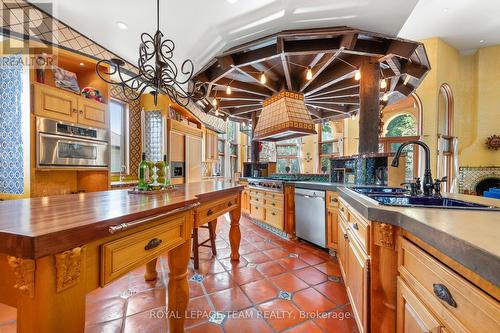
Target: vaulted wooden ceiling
[332,54]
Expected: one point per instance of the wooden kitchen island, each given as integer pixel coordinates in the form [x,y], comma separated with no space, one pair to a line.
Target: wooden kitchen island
[55,250]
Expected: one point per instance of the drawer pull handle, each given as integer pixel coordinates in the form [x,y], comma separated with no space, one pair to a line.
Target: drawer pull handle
[152,244]
[444,294]
[345,237]
[229,204]
[335,200]
[75,110]
[342,209]
[273,204]
[209,212]
[355,226]
[273,213]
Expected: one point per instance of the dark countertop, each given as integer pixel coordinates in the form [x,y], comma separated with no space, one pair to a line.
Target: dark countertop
[33,228]
[470,237]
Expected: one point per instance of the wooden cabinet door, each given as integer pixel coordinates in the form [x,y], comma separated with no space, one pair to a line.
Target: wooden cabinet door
[177,147]
[55,103]
[332,229]
[92,113]
[412,315]
[342,248]
[193,159]
[245,201]
[208,146]
[357,282]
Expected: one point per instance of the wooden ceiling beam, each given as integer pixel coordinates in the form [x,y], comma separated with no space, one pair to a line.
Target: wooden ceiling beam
[342,85]
[331,75]
[415,70]
[393,62]
[405,89]
[311,46]
[401,48]
[256,89]
[332,108]
[326,60]
[245,110]
[284,64]
[315,111]
[336,101]
[269,84]
[222,67]
[255,56]
[336,94]
[238,104]
[236,95]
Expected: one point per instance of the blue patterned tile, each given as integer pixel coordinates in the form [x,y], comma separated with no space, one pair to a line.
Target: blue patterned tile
[11,143]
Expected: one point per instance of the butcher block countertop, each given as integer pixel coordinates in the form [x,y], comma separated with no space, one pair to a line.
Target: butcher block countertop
[36,227]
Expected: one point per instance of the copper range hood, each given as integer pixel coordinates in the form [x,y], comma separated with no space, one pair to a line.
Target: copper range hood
[284,116]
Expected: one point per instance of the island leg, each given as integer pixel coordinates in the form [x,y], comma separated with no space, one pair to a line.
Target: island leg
[151,274]
[234,232]
[178,287]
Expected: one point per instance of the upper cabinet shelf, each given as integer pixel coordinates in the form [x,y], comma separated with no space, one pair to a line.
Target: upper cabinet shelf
[65,106]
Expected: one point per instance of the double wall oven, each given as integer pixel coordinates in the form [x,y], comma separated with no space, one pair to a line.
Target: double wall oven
[64,145]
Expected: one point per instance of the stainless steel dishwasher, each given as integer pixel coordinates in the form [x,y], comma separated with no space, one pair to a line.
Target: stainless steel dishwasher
[310,216]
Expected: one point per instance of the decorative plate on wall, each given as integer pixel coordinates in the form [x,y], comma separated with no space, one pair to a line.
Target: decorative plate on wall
[493,142]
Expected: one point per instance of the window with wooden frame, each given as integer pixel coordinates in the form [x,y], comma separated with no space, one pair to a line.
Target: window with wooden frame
[288,156]
[330,143]
[445,136]
[118,114]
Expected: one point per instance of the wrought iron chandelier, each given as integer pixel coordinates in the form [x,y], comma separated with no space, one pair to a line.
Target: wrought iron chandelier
[157,71]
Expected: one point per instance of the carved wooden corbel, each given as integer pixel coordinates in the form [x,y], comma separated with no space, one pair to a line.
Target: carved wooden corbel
[384,236]
[24,271]
[68,268]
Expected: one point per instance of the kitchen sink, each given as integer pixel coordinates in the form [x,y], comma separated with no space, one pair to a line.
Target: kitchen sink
[380,190]
[429,202]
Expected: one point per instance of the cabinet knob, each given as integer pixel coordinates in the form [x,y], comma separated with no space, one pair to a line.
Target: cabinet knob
[209,212]
[81,111]
[444,294]
[346,237]
[273,213]
[355,226]
[335,200]
[152,244]
[75,110]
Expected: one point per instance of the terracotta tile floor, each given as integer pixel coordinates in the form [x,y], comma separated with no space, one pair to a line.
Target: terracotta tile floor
[278,286]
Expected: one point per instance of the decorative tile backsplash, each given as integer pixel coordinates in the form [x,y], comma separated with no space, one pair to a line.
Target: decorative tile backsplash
[11,142]
[469,177]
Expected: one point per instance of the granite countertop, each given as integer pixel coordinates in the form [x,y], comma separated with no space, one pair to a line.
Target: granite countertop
[32,228]
[470,237]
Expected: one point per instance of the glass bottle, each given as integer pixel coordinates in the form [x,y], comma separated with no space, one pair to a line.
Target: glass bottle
[143,173]
[166,171]
[161,171]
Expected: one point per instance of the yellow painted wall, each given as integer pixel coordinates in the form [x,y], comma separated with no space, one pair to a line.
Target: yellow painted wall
[486,120]
[475,84]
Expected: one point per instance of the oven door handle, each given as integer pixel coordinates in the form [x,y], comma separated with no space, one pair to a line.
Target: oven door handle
[70,139]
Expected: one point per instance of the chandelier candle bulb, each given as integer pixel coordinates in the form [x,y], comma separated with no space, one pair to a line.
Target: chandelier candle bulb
[216,112]
[309,74]
[214,102]
[383,84]
[228,90]
[357,75]
[263,78]
[353,116]
[385,98]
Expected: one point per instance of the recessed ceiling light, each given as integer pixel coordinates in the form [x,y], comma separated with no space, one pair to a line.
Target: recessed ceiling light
[481,41]
[446,9]
[121,25]
[82,64]
[232,1]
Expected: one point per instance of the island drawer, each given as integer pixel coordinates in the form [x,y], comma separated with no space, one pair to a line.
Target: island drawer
[274,217]
[257,198]
[210,212]
[273,203]
[459,304]
[257,212]
[332,199]
[122,255]
[360,229]
[273,196]
[343,209]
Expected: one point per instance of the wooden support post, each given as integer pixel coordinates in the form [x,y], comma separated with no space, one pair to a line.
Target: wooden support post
[255,155]
[369,106]
[178,287]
